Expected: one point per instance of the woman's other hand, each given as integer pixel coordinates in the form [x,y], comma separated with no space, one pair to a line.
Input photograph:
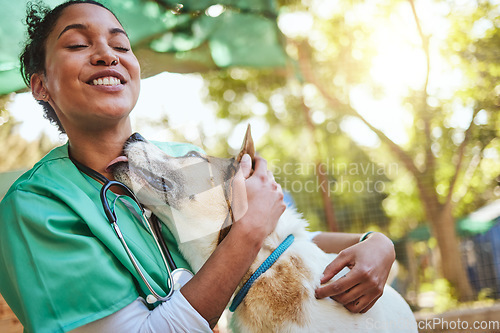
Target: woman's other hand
[369,262]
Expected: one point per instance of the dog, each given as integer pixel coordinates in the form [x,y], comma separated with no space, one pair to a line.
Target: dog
[194,195]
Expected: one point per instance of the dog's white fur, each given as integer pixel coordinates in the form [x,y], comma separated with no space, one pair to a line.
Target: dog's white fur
[282,299]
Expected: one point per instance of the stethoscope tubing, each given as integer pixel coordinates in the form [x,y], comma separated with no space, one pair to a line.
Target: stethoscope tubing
[113,220]
[164,248]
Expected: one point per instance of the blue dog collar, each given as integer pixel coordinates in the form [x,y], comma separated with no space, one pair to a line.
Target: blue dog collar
[262,268]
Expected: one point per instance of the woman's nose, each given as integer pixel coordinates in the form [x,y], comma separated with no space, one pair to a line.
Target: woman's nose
[104,56]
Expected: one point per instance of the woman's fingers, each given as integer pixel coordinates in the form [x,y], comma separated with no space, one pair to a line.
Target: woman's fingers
[369,306]
[350,295]
[260,166]
[246,165]
[265,199]
[353,291]
[339,286]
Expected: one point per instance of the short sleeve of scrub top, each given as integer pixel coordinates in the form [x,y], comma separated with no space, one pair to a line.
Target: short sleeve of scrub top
[61,264]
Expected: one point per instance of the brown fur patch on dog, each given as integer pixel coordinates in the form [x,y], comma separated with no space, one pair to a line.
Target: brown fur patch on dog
[276,297]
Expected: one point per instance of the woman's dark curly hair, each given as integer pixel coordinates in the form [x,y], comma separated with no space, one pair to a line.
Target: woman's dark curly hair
[40,21]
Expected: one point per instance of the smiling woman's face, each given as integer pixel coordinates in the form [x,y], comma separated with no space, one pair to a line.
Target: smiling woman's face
[92,78]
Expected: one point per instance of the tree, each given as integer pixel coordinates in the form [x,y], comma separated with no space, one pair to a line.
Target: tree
[334,58]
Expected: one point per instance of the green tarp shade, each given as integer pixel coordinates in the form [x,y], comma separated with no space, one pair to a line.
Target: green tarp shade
[421,233]
[180,36]
[481,220]
[470,227]
[475,223]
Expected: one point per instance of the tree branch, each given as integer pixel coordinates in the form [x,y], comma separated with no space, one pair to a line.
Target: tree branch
[460,154]
[423,37]
[328,206]
[429,156]
[308,73]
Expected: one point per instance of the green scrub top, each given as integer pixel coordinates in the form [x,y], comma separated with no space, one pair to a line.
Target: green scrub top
[61,264]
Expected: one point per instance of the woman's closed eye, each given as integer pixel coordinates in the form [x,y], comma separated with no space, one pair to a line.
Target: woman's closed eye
[122,48]
[76,46]
[81,46]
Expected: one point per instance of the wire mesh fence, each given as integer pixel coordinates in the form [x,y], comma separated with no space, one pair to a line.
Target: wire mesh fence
[419,277]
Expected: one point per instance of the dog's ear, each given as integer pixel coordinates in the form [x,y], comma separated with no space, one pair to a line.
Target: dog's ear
[247,147]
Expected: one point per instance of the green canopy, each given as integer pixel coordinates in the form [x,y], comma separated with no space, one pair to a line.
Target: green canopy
[176,36]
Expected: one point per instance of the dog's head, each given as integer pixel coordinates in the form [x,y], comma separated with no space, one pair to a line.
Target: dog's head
[195,194]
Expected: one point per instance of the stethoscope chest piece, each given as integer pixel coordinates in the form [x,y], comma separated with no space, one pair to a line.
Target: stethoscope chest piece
[180,277]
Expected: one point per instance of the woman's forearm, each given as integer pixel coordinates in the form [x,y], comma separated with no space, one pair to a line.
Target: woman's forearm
[334,242]
[211,288]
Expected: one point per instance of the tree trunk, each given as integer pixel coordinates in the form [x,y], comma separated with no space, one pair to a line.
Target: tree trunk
[443,228]
[451,258]
[328,208]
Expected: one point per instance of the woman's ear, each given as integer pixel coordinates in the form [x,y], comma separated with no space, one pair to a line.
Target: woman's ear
[38,88]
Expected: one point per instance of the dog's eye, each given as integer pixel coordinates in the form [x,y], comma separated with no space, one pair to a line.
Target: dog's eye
[192,153]
[162,184]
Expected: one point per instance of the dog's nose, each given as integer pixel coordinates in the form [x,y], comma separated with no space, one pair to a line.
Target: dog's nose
[135,137]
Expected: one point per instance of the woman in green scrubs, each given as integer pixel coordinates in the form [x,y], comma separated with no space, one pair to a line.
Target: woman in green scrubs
[62,267]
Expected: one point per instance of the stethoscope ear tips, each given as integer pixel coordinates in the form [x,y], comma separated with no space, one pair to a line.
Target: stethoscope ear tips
[151,299]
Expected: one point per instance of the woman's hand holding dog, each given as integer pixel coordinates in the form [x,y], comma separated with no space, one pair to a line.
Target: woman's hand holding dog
[369,262]
[210,290]
[264,198]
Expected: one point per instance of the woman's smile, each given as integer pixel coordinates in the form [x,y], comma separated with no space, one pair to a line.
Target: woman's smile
[107,81]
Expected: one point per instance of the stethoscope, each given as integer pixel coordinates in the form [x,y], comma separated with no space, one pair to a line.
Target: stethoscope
[177,277]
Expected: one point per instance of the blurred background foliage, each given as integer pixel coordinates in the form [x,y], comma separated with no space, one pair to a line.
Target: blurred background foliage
[382,116]
[447,165]
[17,152]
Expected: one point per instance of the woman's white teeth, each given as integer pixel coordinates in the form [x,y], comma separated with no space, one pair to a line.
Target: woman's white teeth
[106,81]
